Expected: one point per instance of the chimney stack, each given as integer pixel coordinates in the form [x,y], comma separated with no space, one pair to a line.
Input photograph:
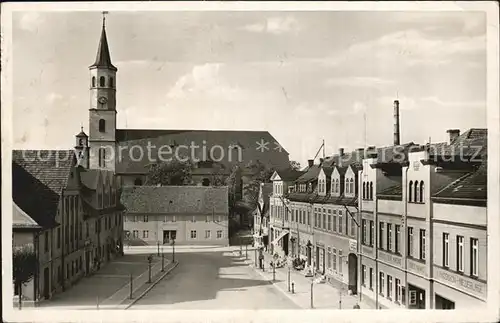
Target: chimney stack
[341,151]
[396,123]
[310,162]
[453,133]
[361,152]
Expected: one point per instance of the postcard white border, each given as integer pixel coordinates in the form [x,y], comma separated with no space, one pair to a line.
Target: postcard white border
[493,104]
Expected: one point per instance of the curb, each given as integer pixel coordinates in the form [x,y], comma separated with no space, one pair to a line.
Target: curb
[151,286]
[284,292]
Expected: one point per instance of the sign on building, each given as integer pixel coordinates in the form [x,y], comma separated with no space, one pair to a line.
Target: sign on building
[413,297]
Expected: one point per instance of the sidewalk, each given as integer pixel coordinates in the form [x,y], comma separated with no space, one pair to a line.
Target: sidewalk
[325,296]
[109,288]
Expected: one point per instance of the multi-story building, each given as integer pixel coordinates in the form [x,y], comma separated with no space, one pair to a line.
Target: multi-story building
[421,206]
[261,217]
[279,225]
[186,214]
[77,210]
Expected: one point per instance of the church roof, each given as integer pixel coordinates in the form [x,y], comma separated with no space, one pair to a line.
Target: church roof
[103,58]
[170,141]
[38,180]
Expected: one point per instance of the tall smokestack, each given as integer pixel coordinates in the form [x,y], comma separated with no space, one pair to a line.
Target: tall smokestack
[396,123]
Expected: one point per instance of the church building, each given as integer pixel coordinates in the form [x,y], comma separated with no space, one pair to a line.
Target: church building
[128,152]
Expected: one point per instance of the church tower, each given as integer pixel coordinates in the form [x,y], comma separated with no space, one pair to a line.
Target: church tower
[102,112]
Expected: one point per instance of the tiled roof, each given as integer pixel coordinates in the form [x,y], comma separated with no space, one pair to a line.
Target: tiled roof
[311,174]
[248,141]
[103,58]
[470,187]
[38,179]
[22,220]
[472,143]
[288,174]
[175,199]
[395,154]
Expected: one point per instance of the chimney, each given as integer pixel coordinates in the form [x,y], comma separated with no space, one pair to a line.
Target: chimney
[310,162]
[396,123]
[341,151]
[360,152]
[453,133]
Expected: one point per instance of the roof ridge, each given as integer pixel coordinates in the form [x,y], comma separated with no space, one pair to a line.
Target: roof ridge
[461,178]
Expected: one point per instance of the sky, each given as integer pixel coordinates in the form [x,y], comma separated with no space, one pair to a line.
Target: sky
[303,76]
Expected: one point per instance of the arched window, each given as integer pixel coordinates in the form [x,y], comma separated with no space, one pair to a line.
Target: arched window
[364,190]
[111,82]
[337,185]
[206,182]
[421,191]
[93,81]
[138,181]
[351,189]
[102,125]
[346,186]
[410,191]
[371,191]
[415,199]
[102,81]
[102,157]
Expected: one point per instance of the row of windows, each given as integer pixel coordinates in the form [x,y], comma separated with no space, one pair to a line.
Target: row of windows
[334,261]
[367,191]
[349,187]
[460,251]
[416,192]
[102,81]
[421,239]
[331,222]
[172,218]
[301,216]
[385,286]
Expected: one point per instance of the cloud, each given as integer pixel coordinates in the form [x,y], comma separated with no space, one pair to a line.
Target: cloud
[358,81]
[410,48]
[30,21]
[275,25]
[205,81]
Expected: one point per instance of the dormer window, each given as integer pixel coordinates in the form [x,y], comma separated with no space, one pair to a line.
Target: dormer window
[347,187]
[351,186]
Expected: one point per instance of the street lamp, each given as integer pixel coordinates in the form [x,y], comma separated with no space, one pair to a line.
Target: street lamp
[162,260]
[173,250]
[150,259]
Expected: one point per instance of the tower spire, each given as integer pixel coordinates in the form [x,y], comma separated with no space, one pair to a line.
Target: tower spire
[103,58]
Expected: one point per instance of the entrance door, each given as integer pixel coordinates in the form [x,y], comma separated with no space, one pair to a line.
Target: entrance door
[353,273]
[46,283]
[416,297]
[169,235]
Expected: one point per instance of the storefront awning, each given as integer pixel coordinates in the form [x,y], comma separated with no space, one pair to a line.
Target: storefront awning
[283,233]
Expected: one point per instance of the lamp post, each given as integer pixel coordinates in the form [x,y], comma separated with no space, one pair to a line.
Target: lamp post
[131,287]
[150,259]
[158,247]
[173,250]
[312,292]
[162,260]
[288,278]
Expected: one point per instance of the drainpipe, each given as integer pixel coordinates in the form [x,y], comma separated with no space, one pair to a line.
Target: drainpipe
[405,235]
[376,231]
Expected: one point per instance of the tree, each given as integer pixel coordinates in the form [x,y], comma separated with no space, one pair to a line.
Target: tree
[24,265]
[258,174]
[294,165]
[171,173]
[218,175]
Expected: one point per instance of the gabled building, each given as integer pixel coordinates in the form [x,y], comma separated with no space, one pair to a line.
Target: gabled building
[283,182]
[261,217]
[76,211]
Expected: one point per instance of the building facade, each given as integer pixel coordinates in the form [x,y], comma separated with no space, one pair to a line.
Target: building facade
[77,211]
[415,220]
[190,215]
[261,217]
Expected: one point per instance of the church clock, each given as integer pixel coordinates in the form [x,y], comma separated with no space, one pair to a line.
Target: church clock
[102,100]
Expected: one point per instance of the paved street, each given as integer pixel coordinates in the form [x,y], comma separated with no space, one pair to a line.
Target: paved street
[213,279]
